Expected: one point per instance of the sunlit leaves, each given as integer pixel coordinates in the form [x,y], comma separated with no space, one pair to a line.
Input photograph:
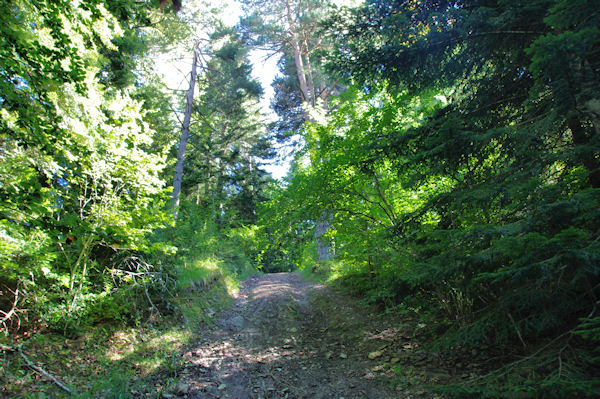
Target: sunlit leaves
[346,169]
[78,169]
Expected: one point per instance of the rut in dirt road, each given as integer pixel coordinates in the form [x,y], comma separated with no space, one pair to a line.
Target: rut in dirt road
[277,341]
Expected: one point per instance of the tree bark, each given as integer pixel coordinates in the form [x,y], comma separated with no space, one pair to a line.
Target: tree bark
[311,83]
[185,134]
[297,50]
[324,250]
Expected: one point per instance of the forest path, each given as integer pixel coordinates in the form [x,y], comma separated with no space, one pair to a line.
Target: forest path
[288,338]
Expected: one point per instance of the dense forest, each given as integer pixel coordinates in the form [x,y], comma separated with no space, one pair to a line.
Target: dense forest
[446,167]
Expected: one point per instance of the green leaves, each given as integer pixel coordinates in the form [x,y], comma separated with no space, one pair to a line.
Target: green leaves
[462,167]
[79,171]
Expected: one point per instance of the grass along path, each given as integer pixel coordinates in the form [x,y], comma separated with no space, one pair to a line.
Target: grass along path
[281,337]
[288,338]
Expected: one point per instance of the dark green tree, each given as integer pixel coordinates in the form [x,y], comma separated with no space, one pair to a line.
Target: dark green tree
[473,158]
[228,138]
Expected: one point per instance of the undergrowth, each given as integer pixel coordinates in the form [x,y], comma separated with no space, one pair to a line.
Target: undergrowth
[552,366]
[128,341]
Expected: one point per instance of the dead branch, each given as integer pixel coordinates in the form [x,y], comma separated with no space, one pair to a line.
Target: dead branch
[153,307]
[40,370]
[10,313]
[512,320]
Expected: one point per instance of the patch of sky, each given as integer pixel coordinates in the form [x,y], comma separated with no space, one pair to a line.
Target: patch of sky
[264,69]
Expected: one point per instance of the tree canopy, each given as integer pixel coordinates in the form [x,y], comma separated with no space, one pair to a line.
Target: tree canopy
[447,160]
[460,167]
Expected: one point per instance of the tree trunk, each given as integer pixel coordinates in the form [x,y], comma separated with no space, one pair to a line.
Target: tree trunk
[299,46]
[185,134]
[311,83]
[324,249]
[297,50]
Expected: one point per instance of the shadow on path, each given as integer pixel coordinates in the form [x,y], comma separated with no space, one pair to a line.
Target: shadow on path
[279,341]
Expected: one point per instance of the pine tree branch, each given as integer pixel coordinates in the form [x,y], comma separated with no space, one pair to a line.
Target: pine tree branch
[463,38]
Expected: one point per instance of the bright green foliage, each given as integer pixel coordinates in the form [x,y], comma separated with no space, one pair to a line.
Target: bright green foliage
[208,252]
[81,178]
[286,230]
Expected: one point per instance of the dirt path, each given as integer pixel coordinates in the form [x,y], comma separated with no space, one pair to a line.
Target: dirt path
[287,338]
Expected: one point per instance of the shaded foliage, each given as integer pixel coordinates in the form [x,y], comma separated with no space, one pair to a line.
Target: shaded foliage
[462,170]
